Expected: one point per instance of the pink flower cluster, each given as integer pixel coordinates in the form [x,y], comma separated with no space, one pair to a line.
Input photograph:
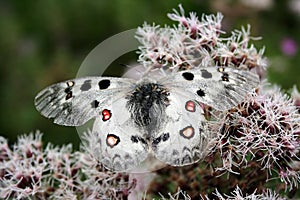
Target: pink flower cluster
[265,128]
[28,171]
[237,194]
[195,42]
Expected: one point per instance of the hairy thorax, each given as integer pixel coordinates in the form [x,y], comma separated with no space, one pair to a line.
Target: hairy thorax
[147,104]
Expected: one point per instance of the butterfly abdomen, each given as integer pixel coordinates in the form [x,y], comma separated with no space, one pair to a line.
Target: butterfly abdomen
[147,104]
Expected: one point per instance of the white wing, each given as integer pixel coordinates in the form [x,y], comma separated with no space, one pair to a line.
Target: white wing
[220,88]
[183,139]
[74,102]
[122,144]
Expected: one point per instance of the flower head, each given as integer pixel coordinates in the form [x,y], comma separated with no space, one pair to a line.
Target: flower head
[196,42]
[29,171]
[264,128]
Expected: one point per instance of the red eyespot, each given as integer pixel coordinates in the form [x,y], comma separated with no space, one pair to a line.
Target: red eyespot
[112,140]
[188,132]
[106,115]
[190,106]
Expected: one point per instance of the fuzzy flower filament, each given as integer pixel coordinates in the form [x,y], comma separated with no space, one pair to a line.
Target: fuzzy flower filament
[263,128]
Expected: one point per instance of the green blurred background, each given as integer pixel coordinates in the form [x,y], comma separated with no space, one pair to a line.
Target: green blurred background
[43,42]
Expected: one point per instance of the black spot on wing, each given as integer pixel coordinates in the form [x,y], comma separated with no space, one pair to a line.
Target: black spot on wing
[156,141]
[142,140]
[104,84]
[200,93]
[162,138]
[69,95]
[136,139]
[68,90]
[225,77]
[205,74]
[95,104]
[165,137]
[188,76]
[86,85]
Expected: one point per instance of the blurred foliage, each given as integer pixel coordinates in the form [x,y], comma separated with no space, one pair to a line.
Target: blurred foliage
[43,42]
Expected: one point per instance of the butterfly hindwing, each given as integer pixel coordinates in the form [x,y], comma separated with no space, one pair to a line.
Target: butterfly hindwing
[180,140]
[122,143]
[218,87]
[74,102]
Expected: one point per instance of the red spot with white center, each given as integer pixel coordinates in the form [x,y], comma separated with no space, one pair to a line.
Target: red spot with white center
[106,114]
[112,140]
[190,106]
[188,132]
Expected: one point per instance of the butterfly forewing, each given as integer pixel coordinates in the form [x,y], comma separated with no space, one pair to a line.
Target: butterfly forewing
[74,102]
[220,88]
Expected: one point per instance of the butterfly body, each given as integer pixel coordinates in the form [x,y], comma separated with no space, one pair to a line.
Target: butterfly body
[160,117]
[147,104]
